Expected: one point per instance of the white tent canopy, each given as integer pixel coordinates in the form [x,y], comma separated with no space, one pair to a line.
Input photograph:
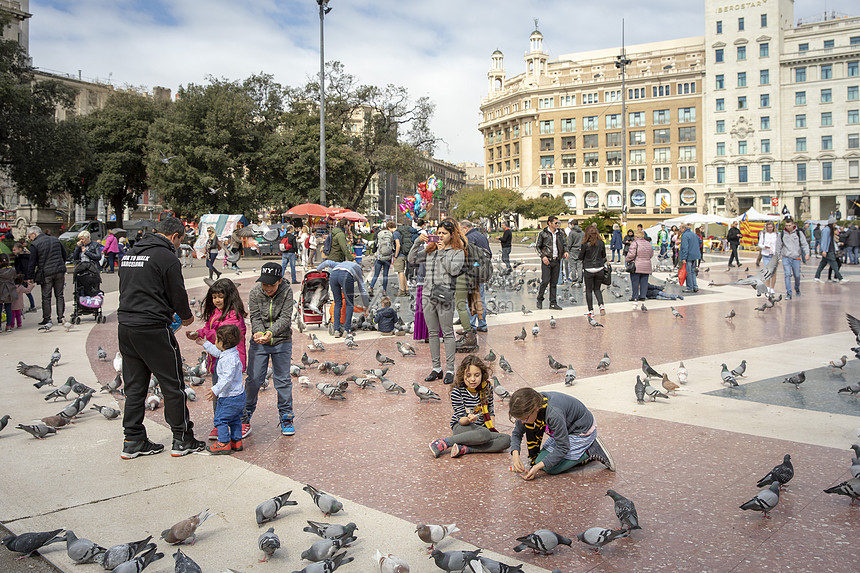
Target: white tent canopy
[694,218]
[753,215]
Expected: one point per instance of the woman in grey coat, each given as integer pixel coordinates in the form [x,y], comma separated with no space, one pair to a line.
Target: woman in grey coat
[444,256]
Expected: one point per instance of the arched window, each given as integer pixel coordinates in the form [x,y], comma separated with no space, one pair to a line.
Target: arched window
[613,200]
[663,199]
[637,198]
[592,200]
[688,197]
[570,200]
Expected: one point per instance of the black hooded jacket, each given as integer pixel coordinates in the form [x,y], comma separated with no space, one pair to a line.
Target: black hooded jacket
[151,287]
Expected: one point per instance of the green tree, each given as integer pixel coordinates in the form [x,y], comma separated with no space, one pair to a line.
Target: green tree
[490,204]
[603,219]
[540,207]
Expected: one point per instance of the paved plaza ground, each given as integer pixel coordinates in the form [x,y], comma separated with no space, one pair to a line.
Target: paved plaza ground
[687,462]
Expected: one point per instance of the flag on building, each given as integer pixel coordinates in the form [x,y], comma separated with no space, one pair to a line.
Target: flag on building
[664,205]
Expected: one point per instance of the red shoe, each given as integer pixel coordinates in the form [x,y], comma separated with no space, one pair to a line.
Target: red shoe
[236,446]
[246,430]
[219,448]
[213,435]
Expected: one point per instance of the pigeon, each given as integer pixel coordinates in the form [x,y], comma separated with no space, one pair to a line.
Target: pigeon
[838,364]
[728,377]
[47,327]
[682,373]
[268,510]
[61,392]
[4,420]
[43,375]
[192,395]
[268,542]
[505,365]
[331,530]
[730,315]
[500,390]
[77,406]
[101,354]
[78,387]
[593,322]
[670,386]
[604,362]
[762,308]
[433,534]
[29,543]
[756,283]
[640,390]
[405,349]
[675,313]
[184,563]
[326,366]
[316,344]
[797,380]
[491,357]
[642,307]
[542,541]
[55,357]
[653,392]
[39,431]
[114,384]
[326,548]
[327,565]
[56,421]
[339,369]
[850,389]
[117,362]
[364,383]
[350,342]
[535,330]
[494,566]
[424,393]
[624,510]
[521,336]
[569,376]
[382,359]
[121,553]
[82,550]
[855,461]
[525,310]
[850,488]
[781,473]
[765,500]
[107,411]
[649,372]
[391,386]
[740,369]
[153,401]
[453,560]
[854,325]
[552,323]
[308,361]
[390,563]
[597,537]
[180,532]
[554,364]
[328,504]
[377,372]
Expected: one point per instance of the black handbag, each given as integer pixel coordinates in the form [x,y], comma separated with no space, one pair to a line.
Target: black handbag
[440,293]
[607,274]
[630,267]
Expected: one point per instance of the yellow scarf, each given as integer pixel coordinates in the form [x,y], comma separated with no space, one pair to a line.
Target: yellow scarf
[483,408]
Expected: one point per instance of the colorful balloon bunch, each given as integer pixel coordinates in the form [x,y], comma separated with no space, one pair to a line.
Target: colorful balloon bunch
[416,206]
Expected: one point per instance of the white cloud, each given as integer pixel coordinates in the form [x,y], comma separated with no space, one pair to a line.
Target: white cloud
[439,48]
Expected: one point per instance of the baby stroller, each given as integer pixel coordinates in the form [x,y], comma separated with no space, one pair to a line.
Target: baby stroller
[314,290]
[88,295]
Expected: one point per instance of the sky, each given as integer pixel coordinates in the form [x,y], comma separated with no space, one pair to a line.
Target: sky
[435,48]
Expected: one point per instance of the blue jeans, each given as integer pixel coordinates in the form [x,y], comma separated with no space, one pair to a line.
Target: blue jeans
[639,286]
[111,258]
[691,275]
[852,253]
[506,257]
[479,321]
[616,253]
[381,266]
[228,418]
[258,364]
[815,244]
[343,290]
[291,259]
[829,258]
[663,248]
[790,266]
[210,264]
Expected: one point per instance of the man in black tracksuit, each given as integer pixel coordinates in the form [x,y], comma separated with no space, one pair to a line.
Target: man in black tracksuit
[151,290]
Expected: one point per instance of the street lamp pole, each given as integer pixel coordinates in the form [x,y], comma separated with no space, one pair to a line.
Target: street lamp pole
[324,9]
[621,62]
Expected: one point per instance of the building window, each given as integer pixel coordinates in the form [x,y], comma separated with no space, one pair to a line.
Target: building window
[614,139]
[545,103]
[637,175]
[718,55]
[764,100]
[828,45]
[636,93]
[799,98]
[764,77]
[662,117]
[827,171]
[855,41]
[591,177]
[721,148]
[804,47]
[590,141]
[547,126]
[590,158]
[566,100]
[721,126]
[687,172]
[719,27]
[527,128]
[801,171]
[593,97]
[547,178]
[763,50]
[826,119]
[742,53]
[568,125]
[799,144]
[742,102]
[568,161]
[637,119]
[826,143]
[661,174]
[765,122]
[637,138]
[547,161]
[742,147]
[742,79]
[799,75]
[765,173]
[614,176]
[547,144]
[721,174]
[590,123]
[568,177]
[686,114]
[687,153]
[686,134]
[721,82]
[612,95]
[661,90]
[800,120]
[662,155]
[516,148]
[853,69]
[764,20]
[516,131]
[765,146]
[742,174]
[613,121]
[637,156]
[516,166]
[721,104]
[661,136]
[614,158]
[686,88]
[854,116]
[854,170]
[854,141]
[853,93]
[740,24]
[568,142]
[826,95]
[827,72]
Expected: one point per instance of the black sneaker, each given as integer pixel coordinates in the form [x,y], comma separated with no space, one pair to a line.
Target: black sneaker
[132,449]
[191,446]
[598,452]
[434,375]
[554,306]
[539,304]
[44,321]
[449,378]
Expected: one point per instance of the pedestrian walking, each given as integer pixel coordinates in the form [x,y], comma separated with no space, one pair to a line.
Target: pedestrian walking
[640,253]
[552,249]
[792,249]
[615,243]
[734,239]
[48,270]
[593,257]
[213,247]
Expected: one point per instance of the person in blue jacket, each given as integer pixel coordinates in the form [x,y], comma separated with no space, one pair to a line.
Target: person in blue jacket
[690,253]
[615,243]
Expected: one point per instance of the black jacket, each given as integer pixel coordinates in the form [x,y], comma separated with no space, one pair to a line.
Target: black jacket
[505,239]
[593,257]
[544,243]
[22,264]
[49,255]
[734,236]
[151,287]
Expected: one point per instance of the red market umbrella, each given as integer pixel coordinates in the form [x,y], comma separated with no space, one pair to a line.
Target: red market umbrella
[351,216]
[308,210]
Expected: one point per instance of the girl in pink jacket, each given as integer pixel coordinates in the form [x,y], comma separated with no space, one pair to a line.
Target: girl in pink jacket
[111,250]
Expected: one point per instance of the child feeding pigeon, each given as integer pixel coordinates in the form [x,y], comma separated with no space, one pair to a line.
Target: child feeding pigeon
[229,393]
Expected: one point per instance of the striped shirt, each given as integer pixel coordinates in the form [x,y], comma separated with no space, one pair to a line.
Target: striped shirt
[465,402]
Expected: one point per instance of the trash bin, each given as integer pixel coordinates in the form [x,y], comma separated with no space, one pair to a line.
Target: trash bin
[359,252]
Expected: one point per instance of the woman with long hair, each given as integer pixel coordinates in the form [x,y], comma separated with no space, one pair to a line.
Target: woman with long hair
[767,244]
[444,255]
[213,247]
[593,257]
[641,251]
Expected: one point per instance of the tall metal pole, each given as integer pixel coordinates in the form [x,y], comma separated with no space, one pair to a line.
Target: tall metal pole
[323,10]
[622,62]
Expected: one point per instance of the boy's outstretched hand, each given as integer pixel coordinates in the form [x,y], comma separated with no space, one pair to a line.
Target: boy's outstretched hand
[210,395]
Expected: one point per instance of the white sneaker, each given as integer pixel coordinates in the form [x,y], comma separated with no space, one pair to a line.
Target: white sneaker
[843,281]
[816,279]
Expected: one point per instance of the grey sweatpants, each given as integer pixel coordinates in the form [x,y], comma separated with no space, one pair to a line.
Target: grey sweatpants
[440,316]
[479,439]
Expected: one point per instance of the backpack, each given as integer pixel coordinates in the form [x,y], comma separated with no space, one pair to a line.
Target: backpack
[308,241]
[479,266]
[406,238]
[327,244]
[385,243]
[285,244]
